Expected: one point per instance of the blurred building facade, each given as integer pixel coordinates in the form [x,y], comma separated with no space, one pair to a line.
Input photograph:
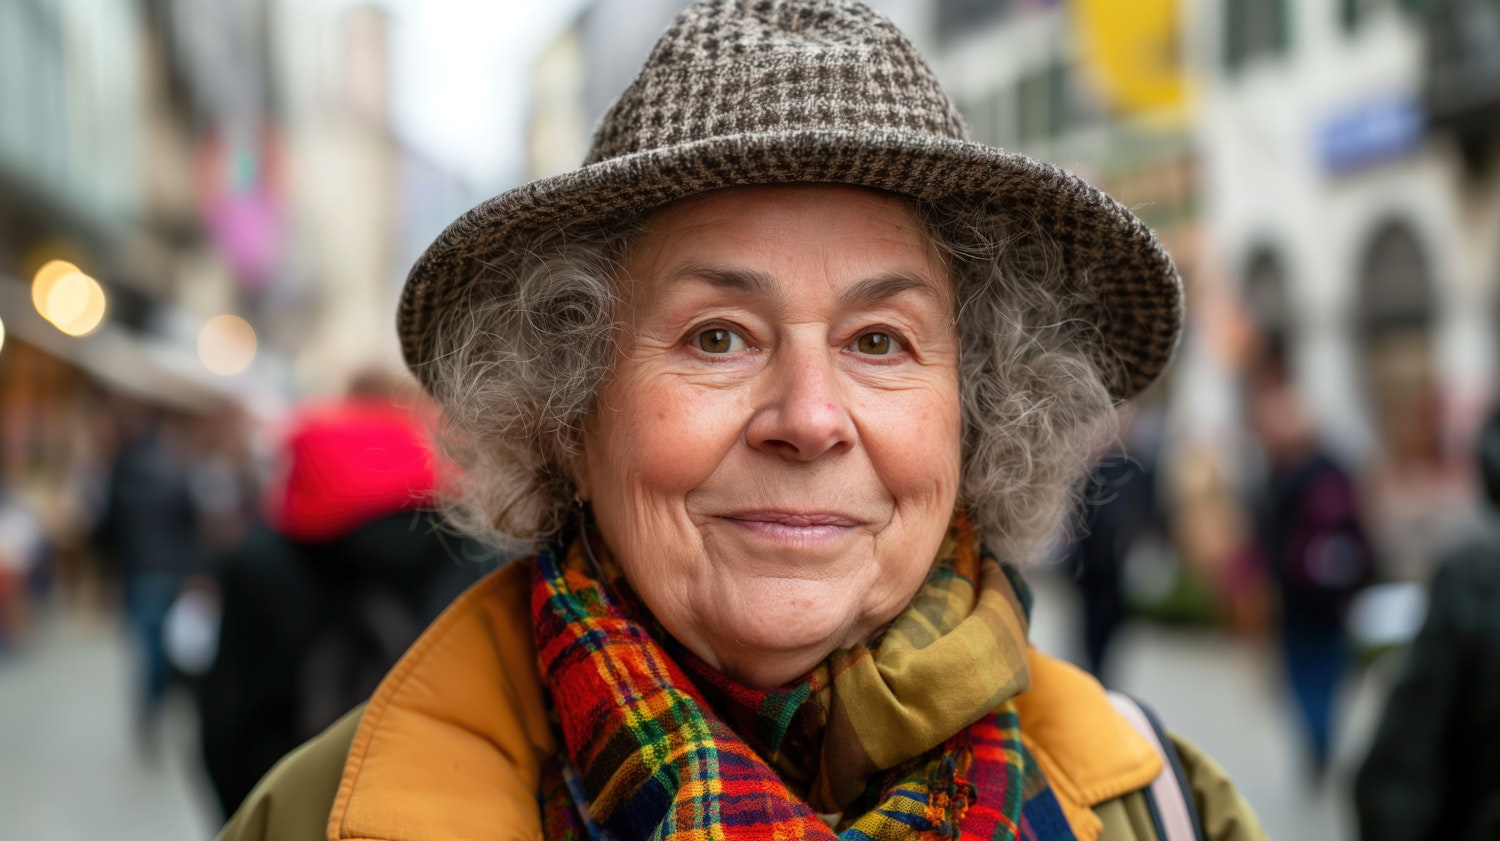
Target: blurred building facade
[196,158]
[1322,173]
[345,161]
[101,114]
[1360,224]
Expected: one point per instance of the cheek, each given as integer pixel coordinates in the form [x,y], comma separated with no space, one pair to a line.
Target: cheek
[657,440]
[915,444]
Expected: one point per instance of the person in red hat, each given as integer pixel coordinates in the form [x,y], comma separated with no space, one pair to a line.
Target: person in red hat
[349,564]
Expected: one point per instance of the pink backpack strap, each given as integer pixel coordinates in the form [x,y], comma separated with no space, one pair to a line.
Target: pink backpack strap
[1168,796]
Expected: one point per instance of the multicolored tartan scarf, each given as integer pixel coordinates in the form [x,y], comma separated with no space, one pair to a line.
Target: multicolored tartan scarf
[914,738]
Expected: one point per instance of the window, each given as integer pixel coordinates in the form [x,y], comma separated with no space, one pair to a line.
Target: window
[955,17]
[1033,106]
[1255,29]
[1048,103]
[1353,13]
[1003,116]
[1266,294]
[1060,99]
[980,115]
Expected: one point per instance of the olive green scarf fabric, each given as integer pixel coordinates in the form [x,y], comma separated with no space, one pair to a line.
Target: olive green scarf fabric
[957,652]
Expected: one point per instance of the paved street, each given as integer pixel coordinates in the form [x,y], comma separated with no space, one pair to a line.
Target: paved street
[1225,695]
[69,768]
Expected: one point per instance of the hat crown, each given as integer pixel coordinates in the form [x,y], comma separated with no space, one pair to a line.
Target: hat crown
[745,67]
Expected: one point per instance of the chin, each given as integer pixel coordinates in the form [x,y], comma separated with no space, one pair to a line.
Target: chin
[776,644]
[768,670]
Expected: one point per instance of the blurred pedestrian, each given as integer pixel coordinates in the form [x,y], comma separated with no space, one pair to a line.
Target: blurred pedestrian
[1433,768]
[224,478]
[147,534]
[1312,545]
[1121,509]
[324,595]
[23,547]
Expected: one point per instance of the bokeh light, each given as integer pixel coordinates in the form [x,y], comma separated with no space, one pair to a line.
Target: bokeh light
[2,335]
[226,344]
[75,304]
[67,298]
[45,278]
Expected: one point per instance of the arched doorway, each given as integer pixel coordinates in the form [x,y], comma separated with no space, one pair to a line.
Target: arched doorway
[1395,310]
[1416,500]
[1265,291]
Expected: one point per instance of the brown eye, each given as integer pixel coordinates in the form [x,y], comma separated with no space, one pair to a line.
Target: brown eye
[876,344]
[719,340]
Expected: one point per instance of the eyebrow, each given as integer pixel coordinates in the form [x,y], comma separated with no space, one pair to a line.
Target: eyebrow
[733,278]
[885,287]
[753,282]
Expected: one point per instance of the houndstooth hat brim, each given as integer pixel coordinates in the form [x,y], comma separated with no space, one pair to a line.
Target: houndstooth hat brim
[727,123]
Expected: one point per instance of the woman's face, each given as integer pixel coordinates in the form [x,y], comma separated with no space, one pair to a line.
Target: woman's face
[775,458]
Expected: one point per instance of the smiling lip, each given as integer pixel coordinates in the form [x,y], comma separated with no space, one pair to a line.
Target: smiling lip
[797,527]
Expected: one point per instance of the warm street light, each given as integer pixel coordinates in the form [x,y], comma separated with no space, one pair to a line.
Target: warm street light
[71,300]
[75,304]
[45,278]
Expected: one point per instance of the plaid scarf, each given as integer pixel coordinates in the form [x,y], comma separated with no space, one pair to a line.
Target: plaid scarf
[875,743]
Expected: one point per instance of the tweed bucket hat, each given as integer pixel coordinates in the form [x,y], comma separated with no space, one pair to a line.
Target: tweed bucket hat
[742,92]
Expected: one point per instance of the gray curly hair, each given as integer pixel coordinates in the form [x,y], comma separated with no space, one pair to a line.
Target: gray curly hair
[520,365]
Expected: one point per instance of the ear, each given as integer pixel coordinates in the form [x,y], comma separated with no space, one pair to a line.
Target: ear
[578,471]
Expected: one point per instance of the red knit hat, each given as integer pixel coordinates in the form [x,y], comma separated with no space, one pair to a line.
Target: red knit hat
[346,464]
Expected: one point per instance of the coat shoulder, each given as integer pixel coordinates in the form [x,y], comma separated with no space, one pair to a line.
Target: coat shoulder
[292,802]
[1222,810]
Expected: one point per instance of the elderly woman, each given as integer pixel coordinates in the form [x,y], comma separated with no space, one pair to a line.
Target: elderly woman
[781,383]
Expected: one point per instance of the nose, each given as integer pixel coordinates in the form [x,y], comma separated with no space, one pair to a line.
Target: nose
[803,412]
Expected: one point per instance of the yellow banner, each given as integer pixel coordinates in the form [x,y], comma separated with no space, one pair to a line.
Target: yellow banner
[1130,52]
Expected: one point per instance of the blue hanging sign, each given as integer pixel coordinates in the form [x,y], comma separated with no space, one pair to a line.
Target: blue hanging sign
[1370,133]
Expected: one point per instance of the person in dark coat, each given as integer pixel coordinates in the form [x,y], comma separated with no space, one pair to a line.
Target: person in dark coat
[1315,551]
[148,535]
[1433,768]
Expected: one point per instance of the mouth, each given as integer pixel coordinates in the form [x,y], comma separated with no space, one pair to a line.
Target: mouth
[793,527]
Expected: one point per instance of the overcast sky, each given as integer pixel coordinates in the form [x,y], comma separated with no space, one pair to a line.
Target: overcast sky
[460,78]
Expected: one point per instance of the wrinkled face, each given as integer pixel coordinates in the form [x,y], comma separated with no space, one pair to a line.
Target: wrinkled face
[775,457]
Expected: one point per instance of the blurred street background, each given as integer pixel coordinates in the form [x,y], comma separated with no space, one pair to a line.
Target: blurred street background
[207,209]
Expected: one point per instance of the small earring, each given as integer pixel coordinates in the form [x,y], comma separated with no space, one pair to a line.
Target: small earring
[584,536]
